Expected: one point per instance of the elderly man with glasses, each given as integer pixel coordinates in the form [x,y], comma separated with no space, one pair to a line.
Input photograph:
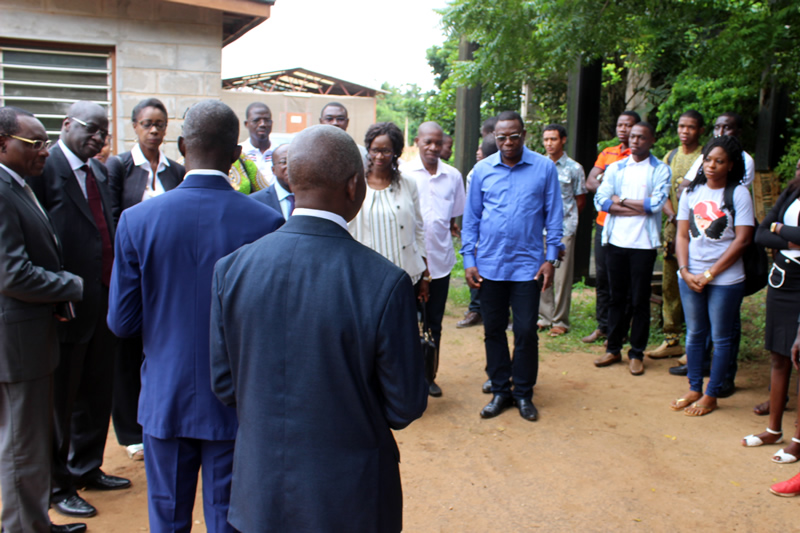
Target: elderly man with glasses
[74,191]
[514,195]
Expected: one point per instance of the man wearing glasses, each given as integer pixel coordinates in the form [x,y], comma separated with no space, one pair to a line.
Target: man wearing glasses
[514,195]
[34,285]
[257,148]
[74,191]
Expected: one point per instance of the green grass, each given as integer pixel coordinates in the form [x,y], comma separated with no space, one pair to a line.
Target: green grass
[582,317]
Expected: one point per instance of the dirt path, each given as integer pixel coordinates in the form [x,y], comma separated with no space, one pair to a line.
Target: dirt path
[606,455]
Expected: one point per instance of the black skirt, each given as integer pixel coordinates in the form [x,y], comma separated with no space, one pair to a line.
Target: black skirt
[783,305]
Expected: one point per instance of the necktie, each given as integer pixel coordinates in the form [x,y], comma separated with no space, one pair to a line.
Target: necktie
[291,203]
[33,197]
[96,206]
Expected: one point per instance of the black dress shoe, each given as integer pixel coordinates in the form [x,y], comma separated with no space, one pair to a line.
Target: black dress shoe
[74,506]
[683,370]
[434,390]
[487,387]
[102,481]
[78,527]
[498,404]
[527,410]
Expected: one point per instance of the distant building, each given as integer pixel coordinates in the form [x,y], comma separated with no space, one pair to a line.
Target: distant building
[117,52]
[296,98]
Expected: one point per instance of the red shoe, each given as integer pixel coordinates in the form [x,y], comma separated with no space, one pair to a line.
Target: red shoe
[787,488]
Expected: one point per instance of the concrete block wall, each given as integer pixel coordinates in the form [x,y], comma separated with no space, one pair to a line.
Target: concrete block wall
[161,49]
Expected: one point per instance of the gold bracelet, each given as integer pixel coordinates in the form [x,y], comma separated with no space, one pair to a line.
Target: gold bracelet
[772,227]
[709,276]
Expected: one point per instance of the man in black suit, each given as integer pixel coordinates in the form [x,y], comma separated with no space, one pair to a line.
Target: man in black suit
[74,191]
[319,391]
[279,196]
[32,280]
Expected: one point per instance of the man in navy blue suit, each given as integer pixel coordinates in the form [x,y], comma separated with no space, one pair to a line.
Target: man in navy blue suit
[314,340]
[161,289]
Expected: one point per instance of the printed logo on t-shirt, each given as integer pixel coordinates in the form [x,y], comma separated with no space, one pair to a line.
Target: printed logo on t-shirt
[706,217]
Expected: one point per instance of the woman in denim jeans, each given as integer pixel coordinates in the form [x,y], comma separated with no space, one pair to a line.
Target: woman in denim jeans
[712,236]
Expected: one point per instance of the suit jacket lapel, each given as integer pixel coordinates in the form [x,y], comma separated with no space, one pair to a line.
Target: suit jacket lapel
[25,199]
[71,186]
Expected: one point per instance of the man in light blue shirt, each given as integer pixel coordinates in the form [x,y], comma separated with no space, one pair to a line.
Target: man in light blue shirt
[514,196]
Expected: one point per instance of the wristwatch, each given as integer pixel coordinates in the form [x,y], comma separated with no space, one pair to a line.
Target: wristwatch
[555,262]
[622,201]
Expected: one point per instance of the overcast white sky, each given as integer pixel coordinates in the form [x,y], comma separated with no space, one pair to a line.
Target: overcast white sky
[363,41]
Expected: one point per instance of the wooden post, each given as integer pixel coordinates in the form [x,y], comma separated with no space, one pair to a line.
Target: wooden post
[583,123]
[468,116]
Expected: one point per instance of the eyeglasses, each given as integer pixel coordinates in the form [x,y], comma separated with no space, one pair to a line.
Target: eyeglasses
[37,144]
[503,138]
[384,152]
[92,129]
[147,124]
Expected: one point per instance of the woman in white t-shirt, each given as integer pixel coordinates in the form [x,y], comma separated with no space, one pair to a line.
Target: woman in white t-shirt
[712,236]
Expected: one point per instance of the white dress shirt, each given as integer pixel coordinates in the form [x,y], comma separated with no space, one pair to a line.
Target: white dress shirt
[283,199]
[319,213]
[76,164]
[150,191]
[441,197]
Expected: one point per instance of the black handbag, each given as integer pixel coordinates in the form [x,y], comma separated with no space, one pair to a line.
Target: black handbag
[429,352]
[754,258]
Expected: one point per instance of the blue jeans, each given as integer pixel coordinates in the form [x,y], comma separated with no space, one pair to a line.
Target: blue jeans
[715,309]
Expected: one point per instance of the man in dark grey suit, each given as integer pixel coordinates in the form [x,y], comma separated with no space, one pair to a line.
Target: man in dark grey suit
[74,191]
[32,280]
[319,390]
[279,196]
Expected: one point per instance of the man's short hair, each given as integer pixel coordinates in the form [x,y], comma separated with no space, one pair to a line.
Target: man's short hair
[696,115]
[211,126]
[488,147]
[562,131]
[737,118]
[488,126]
[637,119]
[323,157]
[332,104]
[255,105]
[9,122]
[148,102]
[511,115]
[648,126]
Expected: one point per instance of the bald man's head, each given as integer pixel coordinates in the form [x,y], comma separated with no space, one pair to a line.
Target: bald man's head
[210,137]
[323,157]
[326,171]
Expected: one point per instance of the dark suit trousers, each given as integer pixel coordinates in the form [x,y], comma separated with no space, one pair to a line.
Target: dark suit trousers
[523,297]
[83,385]
[601,280]
[630,272]
[434,309]
[172,466]
[127,385]
[25,454]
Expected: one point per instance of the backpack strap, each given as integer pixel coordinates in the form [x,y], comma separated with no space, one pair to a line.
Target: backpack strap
[671,156]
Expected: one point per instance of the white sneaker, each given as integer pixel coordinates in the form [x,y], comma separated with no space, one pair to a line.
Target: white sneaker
[135,452]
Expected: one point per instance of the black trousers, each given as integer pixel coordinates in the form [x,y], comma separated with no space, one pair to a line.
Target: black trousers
[601,281]
[127,385]
[523,297]
[630,272]
[83,382]
[434,309]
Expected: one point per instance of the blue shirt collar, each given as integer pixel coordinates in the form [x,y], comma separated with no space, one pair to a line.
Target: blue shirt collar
[497,158]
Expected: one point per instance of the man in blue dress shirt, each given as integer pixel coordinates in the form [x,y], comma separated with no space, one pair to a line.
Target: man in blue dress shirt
[514,195]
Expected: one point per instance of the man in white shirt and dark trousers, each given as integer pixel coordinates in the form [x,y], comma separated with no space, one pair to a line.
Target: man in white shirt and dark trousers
[441,198]
[257,147]
[632,193]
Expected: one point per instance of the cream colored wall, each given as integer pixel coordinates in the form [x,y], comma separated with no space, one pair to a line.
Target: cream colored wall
[361,110]
[162,49]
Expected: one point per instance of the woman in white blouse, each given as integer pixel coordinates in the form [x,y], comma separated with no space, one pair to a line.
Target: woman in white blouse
[390,220]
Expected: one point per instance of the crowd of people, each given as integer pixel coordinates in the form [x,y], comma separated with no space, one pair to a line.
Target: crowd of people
[113,278]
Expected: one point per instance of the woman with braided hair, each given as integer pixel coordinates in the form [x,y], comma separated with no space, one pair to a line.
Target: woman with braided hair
[715,225]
